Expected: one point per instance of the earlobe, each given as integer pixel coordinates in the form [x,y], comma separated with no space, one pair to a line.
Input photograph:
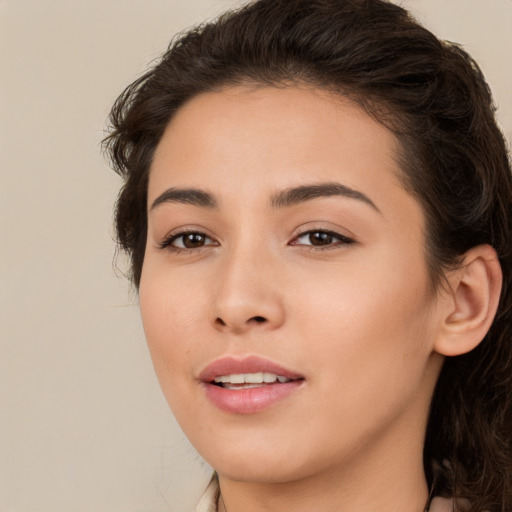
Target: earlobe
[470,303]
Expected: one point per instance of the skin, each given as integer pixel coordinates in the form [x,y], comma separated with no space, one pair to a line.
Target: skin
[358,320]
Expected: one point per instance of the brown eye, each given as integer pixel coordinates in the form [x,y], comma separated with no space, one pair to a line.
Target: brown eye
[192,240]
[322,239]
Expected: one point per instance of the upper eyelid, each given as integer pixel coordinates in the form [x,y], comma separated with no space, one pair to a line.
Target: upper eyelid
[304,230]
[179,232]
[341,237]
[169,238]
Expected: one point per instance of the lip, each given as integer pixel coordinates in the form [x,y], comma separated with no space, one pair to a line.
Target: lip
[250,364]
[253,400]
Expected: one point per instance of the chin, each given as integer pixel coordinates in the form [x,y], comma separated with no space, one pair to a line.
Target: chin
[264,471]
[262,460]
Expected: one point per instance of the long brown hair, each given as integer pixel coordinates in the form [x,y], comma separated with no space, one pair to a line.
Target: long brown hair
[454,160]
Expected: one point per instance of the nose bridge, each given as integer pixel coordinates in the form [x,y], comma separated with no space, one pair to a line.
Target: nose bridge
[246,293]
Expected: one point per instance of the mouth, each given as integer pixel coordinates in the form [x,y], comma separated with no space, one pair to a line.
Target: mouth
[249,385]
[240,381]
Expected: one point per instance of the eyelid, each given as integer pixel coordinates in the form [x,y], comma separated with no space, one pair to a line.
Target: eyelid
[166,243]
[343,240]
[175,234]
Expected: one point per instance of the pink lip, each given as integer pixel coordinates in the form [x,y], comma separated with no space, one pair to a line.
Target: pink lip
[251,364]
[247,401]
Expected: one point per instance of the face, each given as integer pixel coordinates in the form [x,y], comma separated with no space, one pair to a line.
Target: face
[284,293]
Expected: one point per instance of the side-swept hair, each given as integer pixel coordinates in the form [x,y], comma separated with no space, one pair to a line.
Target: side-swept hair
[453,159]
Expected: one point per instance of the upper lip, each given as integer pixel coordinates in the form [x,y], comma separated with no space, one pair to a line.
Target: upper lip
[230,365]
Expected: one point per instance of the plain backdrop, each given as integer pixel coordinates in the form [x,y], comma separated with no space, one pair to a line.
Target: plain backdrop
[83,424]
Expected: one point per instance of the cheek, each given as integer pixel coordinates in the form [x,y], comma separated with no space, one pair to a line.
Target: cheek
[370,326]
[172,302]
[171,313]
[367,355]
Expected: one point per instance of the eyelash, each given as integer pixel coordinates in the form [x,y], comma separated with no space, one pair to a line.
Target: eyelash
[341,240]
[167,242]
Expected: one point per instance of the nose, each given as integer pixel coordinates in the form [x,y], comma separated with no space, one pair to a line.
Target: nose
[247,295]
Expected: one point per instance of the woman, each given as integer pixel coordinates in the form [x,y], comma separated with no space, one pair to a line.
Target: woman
[317,209]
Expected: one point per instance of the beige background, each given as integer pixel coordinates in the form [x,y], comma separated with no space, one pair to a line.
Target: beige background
[83,425]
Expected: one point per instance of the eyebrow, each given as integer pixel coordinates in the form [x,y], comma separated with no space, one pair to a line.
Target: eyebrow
[192,196]
[283,199]
[296,195]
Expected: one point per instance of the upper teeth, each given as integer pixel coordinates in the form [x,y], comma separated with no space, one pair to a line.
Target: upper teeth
[250,378]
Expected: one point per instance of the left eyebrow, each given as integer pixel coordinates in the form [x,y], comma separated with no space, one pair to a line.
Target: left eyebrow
[296,195]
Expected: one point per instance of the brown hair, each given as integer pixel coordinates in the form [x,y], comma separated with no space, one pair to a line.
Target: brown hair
[454,159]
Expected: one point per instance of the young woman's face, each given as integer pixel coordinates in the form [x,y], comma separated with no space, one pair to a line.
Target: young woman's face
[281,243]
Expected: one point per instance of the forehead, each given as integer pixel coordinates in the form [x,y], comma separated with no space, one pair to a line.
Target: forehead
[269,127]
[262,139]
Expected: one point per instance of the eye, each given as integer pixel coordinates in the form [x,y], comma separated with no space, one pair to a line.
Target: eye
[322,239]
[187,241]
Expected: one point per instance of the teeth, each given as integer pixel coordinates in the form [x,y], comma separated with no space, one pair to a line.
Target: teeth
[253,378]
[241,386]
[223,379]
[250,378]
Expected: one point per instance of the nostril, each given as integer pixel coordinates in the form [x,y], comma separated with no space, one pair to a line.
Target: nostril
[220,323]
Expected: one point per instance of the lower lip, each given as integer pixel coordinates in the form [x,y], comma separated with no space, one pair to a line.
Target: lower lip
[252,400]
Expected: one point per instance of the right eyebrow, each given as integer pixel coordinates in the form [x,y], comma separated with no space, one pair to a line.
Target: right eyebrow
[192,196]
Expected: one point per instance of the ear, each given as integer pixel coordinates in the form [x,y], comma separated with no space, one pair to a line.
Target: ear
[468,305]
